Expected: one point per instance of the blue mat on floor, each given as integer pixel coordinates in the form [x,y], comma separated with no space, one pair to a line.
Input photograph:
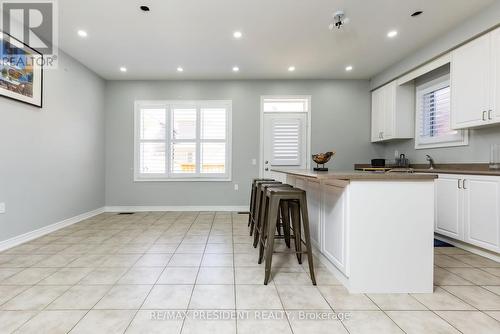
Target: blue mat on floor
[439,243]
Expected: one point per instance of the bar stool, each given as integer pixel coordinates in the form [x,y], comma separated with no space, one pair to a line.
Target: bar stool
[261,214]
[297,199]
[252,199]
[254,213]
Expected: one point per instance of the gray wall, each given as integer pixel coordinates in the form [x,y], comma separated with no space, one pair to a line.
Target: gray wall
[52,159]
[340,121]
[480,139]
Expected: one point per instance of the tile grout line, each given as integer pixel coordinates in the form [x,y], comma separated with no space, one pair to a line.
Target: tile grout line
[197,273]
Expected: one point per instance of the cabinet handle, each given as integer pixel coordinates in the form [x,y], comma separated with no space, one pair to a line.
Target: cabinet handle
[463,184]
[459,184]
[489,114]
[484,115]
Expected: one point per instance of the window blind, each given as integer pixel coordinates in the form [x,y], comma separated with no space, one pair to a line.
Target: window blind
[436,114]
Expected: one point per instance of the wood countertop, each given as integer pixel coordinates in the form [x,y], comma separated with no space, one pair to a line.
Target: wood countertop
[357,175]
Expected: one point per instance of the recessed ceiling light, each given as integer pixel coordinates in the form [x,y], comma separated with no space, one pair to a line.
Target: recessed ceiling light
[291,68]
[82,33]
[123,69]
[144,8]
[392,33]
[348,68]
[237,34]
[180,69]
[236,69]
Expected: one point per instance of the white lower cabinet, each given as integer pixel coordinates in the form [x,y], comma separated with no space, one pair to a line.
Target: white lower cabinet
[482,214]
[334,227]
[468,209]
[449,207]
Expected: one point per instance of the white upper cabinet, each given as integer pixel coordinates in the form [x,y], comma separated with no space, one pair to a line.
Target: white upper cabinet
[474,82]
[495,56]
[392,112]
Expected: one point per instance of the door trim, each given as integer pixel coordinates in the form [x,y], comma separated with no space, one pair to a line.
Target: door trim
[261,127]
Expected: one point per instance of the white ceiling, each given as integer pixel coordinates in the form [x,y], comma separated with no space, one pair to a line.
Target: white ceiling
[197,35]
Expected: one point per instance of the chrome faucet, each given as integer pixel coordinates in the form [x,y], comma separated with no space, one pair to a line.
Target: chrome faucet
[431,161]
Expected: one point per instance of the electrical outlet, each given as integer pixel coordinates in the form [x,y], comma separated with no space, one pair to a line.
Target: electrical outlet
[236,187]
[2,207]
[254,162]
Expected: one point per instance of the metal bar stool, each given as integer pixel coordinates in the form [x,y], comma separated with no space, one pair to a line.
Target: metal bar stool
[261,214]
[297,199]
[254,214]
[252,199]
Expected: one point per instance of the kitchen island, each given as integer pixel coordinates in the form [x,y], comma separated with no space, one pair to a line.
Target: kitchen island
[375,231]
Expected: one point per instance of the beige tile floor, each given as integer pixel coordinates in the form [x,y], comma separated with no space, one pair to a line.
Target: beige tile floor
[129,273]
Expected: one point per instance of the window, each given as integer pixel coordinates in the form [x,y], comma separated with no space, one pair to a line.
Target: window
[433,125]
[182,140]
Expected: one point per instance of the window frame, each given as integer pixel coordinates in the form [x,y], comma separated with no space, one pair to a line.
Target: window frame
[169,105]
[425,88]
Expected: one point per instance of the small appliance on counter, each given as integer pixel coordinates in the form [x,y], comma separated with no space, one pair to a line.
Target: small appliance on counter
[378,163]
[402,161]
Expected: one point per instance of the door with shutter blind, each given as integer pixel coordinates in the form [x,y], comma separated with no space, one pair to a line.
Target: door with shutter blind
[284,143]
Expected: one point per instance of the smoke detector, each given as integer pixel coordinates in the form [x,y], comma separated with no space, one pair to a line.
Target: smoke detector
[339,20]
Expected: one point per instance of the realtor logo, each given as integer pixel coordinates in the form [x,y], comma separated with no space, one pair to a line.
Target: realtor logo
[34,23]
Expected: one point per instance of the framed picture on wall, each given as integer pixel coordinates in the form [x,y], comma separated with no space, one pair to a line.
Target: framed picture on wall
[21,71]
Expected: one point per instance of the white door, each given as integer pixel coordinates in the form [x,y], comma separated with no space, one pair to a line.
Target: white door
[482,212]
[284,143]
[470,84]
[449,207]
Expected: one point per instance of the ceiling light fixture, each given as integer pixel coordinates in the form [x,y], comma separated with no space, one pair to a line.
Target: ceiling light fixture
[291,68]
[123,69]
[392,33]
[82,33]
[144,8]
[236,69]
[180,69]
[237,34]
[348,68]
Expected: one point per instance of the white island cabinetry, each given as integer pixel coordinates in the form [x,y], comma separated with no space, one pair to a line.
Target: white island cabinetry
[374,232]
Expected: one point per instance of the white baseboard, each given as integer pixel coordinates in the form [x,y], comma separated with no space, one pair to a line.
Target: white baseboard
[9,243]
[174,208]
[468,247]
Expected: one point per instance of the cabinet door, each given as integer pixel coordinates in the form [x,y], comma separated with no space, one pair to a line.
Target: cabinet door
[314,209]
[495,76]
[377,115]
[482,212]
[449,207]
[470,66]
[389,111]
[334,226]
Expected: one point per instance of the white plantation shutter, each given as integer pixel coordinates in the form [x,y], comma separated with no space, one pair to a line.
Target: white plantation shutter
[182,140]
[152,140]
[286,136]
[433,116]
